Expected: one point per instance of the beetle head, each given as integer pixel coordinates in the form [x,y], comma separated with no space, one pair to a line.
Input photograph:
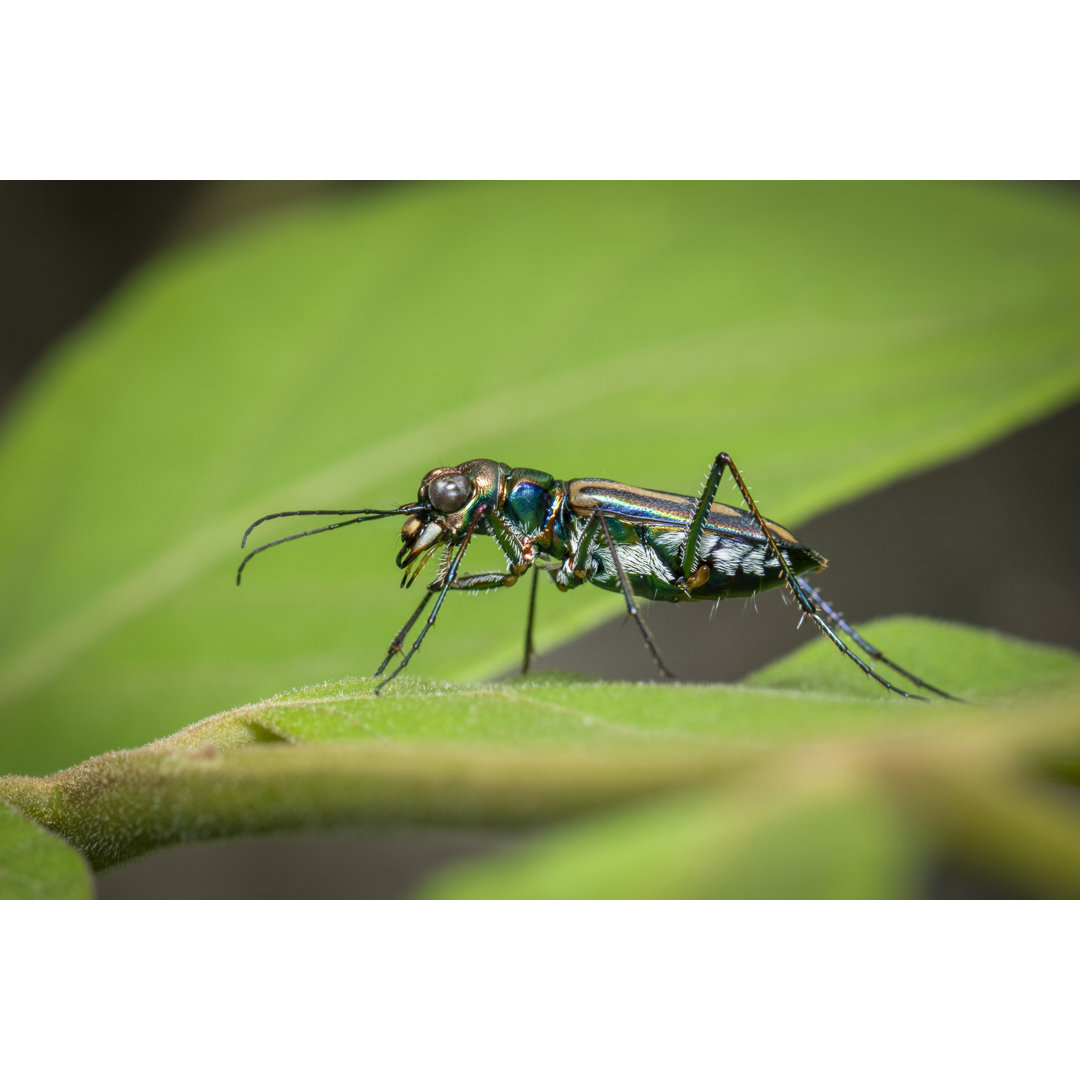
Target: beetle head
[452,497]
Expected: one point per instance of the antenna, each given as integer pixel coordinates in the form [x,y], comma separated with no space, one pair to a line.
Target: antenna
[356,517]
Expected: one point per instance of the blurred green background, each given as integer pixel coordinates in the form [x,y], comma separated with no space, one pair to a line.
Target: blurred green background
[213,352]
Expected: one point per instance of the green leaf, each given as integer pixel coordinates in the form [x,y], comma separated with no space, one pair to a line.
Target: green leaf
[831,337]
[823,823]
[776,792]
[36,865]
[977,667]
[779,836]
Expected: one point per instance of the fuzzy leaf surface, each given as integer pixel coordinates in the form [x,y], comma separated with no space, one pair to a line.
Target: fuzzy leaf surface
[868,789]
[36,865]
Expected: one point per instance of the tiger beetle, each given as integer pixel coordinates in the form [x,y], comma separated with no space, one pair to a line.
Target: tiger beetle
[628,540]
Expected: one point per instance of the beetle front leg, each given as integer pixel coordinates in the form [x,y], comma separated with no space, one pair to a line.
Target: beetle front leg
[516,546]
[399,638]
[438,589]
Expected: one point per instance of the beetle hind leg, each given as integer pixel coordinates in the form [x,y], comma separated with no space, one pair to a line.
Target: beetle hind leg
[839,622]
[806,596]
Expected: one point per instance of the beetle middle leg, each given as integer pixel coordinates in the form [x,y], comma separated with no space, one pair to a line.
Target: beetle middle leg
[579,570]
[494,579]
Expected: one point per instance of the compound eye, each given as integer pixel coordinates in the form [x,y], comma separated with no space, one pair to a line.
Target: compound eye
[449,492]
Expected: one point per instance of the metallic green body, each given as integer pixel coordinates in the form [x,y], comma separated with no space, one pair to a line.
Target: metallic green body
[630,540]
[535,518]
